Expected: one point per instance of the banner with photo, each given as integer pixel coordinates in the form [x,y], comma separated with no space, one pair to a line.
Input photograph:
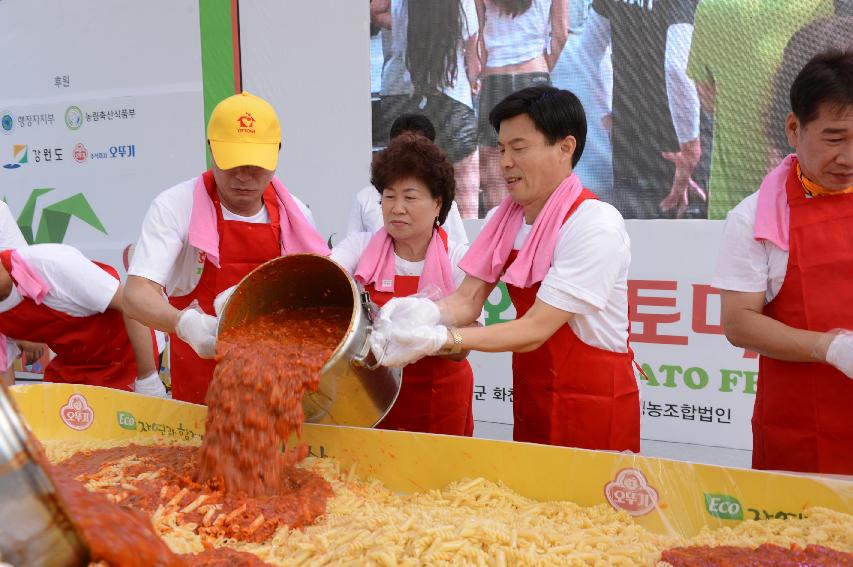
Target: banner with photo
[685,99]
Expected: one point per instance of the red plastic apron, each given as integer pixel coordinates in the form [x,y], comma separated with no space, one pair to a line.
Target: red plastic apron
[569,393]
[243,246]
[93,350]
[436,395]
[801,421]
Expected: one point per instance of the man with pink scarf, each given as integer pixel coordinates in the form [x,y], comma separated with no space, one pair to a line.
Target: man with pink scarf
[202,236]
[786,273]
[564,256]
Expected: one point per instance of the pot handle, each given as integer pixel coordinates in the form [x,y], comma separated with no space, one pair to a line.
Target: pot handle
[361,358]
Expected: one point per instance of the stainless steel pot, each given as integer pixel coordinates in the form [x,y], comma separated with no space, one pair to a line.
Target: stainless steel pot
[34,530]
[353,389]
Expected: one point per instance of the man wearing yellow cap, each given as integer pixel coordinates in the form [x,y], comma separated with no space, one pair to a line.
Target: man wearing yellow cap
[202,236]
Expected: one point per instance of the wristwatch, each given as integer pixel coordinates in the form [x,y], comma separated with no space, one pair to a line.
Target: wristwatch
[456,347]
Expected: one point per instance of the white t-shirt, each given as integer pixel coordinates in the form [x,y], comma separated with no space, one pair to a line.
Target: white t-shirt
[589,274]
[10,234]
[163,253]
[516,40]
[744,263]
[10,237]
[78,287]
[366,216]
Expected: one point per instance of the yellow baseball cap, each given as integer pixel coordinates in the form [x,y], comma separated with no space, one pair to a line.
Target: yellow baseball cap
[244,130]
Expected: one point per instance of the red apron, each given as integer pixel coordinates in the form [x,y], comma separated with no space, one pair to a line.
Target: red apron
[436,394]
[93,350]
[569,393]
[801,421]
[243,246]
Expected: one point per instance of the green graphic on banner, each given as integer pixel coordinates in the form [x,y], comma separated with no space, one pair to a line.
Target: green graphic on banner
[54,220]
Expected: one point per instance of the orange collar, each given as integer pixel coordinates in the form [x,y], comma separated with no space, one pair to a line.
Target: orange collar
[812,189]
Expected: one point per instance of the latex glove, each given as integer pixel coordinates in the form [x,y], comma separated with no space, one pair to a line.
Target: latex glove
[409,312]
[222,299]
[198,330]
[406,345]
[840,353]
[151,385]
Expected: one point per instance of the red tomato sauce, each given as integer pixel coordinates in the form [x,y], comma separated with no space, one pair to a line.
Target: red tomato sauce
[246,468]
[768,554]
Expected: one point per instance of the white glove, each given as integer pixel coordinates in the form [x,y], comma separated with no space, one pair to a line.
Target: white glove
[222,299]
[840,353]
[151,385]
[409,312]
[198,330]
[404,346]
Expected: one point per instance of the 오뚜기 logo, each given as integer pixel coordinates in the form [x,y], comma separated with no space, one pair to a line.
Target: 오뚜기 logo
[76,413]
[247,124]
[7,122]
[630,491]
[80,153]
[73,118]
[19,156]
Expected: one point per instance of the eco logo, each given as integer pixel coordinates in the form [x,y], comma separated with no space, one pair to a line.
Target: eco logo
[76,413]
[19,157]
[247,124]
[53,223]
[630,491]
[126,420]
[723,506]
[73,118]
[80,153]
[7,122]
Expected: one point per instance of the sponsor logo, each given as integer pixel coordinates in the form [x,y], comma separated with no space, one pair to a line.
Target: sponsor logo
[73,117]
[76,413]
[7,122]
[80,153]
[630,491]
[126,420]
[247,124]
[113,152]
[19,156]
[723,506]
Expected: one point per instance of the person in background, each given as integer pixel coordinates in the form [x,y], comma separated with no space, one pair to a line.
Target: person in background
[564,256]
[734,55]
[201,237]
[785,270]
[11,237]
[655,121]
[442,60]
[366,214]
[521,41]
[52,294]
[410,254]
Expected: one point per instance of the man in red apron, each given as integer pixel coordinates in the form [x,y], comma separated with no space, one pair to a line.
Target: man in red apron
[786,271]
[202,236]
[52,294]
[564,256]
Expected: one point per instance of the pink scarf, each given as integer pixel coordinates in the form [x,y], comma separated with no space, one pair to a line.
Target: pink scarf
[377,264]
[488,255]
[29,284]
[297,234]
[27,280]
[772,215]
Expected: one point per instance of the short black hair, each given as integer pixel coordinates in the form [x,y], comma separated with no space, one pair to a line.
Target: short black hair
[417,123]
[556,113]
[826,79]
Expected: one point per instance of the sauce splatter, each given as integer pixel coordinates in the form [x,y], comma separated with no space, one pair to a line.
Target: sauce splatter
[768,554]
